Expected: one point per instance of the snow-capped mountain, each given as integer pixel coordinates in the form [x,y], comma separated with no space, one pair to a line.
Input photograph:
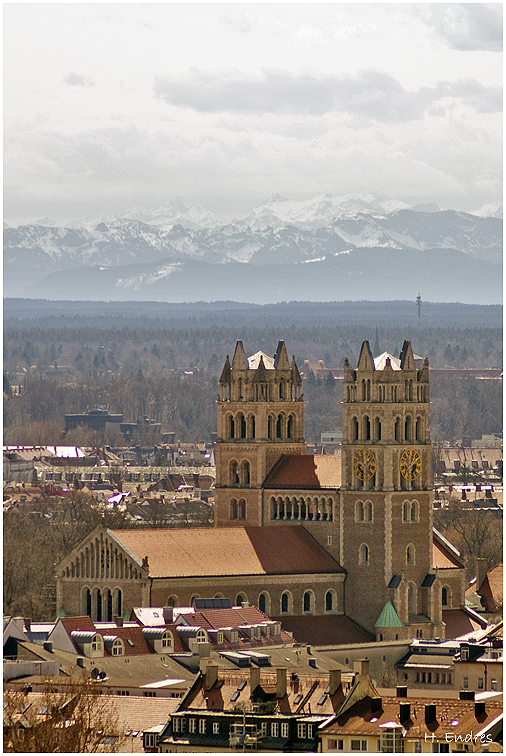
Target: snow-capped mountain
[142,255]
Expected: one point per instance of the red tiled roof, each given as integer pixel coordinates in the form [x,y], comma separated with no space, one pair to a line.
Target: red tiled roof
[206,552]
[330,630]
[491,589]
[458,622]
[442,558]
[305,471]
[235,617]
[360,721]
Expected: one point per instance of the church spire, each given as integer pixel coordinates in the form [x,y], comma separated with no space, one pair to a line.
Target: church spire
[239,360]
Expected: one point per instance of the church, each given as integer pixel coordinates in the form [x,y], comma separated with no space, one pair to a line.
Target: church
[348,539]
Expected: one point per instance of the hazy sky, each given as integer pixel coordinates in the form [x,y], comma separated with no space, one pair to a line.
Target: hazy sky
[112,106]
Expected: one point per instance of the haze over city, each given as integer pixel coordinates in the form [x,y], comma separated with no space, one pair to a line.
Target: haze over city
[109,107]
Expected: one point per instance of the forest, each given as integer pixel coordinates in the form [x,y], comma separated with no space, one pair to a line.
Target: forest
[164,362]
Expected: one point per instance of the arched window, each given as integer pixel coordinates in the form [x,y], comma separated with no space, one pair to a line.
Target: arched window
[239,600]
[233,474]
[239,388]
[367,428]
[167,641]
[270,422]
[172,601]
[377,429]
[279,427]
[363,554]
[354,429]
[241,423]
[282,388]
[406,511]
[252,426]
[99,606]
[285,602]
[118,602]
[264,603]
[233,509]
[446,596]
[368,511]
[241,509]
[289,427]
[307,602]
[245,473]
[359,511]
[86,601]
[97,643]
[398,429]
[231,428]
[419,429]
[329,601]
[410,554]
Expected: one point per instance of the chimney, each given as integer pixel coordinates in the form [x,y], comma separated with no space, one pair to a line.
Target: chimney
[479,709]
[334,681]
[48,646]
[28,623]
[119,621]
[361,667]
[254,678]
[404,712]
[80,661]
[211,675]
[245,604]
[203,649]
[430,713]
[168,614]
[481,572]
[402,691]
[466,695]
[280,682]
[375,704]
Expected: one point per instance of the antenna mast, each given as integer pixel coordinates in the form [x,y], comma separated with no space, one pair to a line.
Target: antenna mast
[419,306]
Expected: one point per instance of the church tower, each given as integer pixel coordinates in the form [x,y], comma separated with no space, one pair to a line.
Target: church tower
[260,417]
[386,495]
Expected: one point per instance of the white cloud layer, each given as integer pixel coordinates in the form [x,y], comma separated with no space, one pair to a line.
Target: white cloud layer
[109,106]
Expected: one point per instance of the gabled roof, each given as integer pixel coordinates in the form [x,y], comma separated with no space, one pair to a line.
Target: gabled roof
[491,590]
[444,555]
[305,471]
[459,622]
[207,552]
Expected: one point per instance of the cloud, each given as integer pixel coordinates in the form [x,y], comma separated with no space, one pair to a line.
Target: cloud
[371,94]
[468,27]
[79,80]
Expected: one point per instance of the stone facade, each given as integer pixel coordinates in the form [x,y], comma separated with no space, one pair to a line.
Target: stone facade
[370,509]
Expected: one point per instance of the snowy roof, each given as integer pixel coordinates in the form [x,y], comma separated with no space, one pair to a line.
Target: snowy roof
[381,361]
[254,361]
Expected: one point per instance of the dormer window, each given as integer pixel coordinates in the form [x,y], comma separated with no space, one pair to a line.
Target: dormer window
[118,648]
[96,643]
[167,641]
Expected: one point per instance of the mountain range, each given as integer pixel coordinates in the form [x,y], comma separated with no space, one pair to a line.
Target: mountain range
[324,249]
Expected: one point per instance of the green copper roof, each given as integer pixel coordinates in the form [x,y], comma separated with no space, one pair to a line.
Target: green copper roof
[388,617]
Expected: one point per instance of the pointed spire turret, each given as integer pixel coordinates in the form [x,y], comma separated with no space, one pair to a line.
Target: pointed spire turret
[365,361]
[349,373]
[281,360]
[406,357]
[239,360]
[226,373]
[296,379]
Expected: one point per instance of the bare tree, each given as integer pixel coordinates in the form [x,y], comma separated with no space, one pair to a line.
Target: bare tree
[79,720]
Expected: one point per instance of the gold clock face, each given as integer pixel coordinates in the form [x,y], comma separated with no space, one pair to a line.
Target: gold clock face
[410,464]
[364,464]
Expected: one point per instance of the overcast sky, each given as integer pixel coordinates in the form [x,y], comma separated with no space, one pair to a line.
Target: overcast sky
[112,106]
